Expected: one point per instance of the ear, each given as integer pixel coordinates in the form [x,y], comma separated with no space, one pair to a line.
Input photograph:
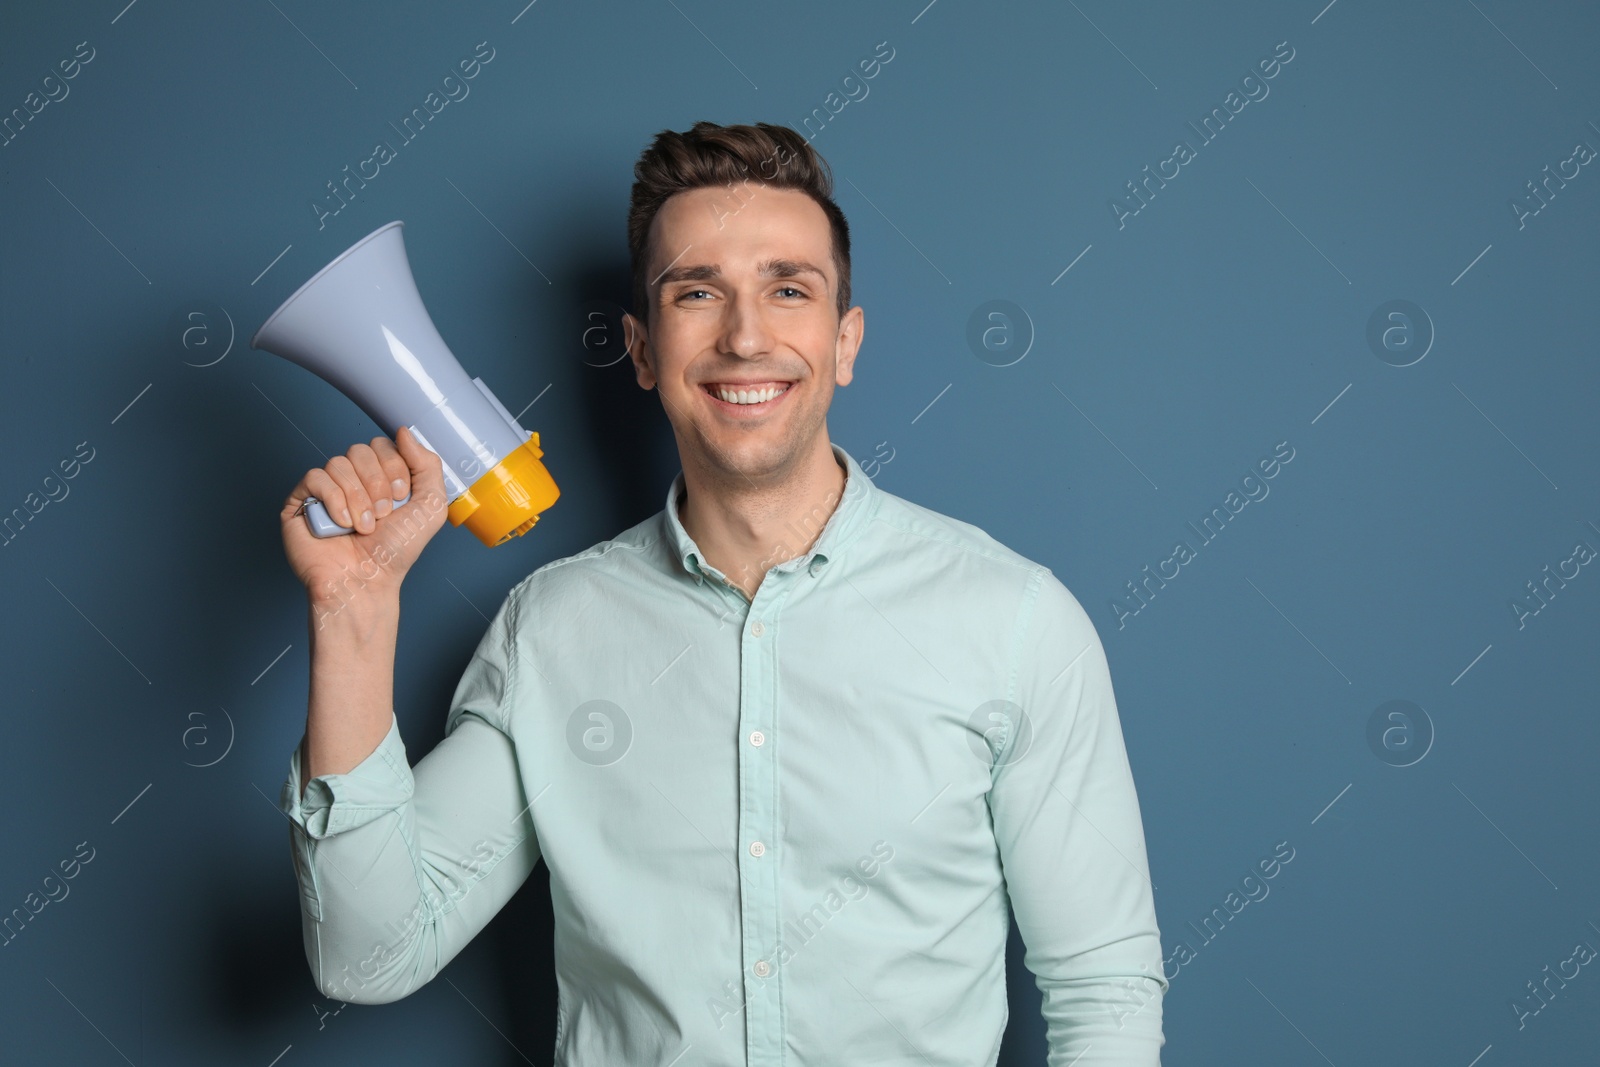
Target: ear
[638,343]
[848,342]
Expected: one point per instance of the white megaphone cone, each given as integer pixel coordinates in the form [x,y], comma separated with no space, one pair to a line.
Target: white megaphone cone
[359,323]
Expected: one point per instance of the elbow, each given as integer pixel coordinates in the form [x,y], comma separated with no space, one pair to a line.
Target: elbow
[387,974]
[367,995]
[384,987]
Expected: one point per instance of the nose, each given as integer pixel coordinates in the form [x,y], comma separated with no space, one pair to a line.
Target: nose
[746,332]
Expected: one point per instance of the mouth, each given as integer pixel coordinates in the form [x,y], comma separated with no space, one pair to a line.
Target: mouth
[747,398]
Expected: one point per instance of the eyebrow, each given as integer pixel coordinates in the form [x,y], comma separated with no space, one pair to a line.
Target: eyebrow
[768,268]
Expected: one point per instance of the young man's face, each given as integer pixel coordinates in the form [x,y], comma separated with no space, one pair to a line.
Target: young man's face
[743,292]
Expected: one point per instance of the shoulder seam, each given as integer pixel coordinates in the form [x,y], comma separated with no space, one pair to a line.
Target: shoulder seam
[598,551]
[1024,564]
[514,622]
[513,619]
[1025,614]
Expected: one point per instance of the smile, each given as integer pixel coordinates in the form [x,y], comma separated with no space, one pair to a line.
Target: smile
[747,399]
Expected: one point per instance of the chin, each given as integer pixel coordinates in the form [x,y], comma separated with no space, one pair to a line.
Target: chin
[751,455]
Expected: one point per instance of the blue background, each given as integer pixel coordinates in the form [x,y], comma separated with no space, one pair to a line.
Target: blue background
[155,640]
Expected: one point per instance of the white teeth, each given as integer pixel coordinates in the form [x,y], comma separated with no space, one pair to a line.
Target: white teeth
[750,396]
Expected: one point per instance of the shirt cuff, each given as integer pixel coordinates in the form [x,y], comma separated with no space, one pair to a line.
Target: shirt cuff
[334,803]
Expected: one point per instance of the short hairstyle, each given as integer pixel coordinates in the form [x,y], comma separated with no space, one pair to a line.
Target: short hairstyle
[711,155]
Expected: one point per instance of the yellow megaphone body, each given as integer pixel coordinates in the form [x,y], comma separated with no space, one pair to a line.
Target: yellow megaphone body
[359,324]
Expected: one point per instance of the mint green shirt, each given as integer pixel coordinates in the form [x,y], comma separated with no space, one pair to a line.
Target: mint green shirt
[784,830]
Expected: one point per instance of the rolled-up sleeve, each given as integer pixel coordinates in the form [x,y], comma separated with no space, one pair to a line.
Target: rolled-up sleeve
[1071,840]
[333,803]
[399,867]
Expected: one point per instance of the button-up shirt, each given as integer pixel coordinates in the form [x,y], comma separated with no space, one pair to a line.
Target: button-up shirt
[780,830]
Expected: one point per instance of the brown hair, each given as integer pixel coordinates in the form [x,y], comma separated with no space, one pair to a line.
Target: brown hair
[711,155]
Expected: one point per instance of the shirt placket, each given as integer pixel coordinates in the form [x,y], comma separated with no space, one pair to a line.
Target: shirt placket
[758,824]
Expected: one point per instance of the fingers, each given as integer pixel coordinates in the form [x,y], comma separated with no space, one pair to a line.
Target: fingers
[395,468]
[318,483]
[361,486]
[374,479]
[354,499]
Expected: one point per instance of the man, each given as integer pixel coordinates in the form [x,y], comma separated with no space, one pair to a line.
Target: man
[789,747]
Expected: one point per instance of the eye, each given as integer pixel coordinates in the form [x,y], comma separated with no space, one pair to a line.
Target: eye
[692,292]
[791,289]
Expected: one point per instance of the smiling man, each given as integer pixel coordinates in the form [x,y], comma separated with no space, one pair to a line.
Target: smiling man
[794,749]
[749,329]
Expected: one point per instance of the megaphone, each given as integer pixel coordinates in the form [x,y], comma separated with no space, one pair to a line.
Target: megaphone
[360,325]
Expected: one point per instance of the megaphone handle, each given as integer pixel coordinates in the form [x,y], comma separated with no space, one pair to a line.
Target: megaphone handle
[322,524]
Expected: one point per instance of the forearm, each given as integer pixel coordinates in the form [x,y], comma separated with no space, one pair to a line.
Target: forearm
[366,920]
[400,867]
[352,681]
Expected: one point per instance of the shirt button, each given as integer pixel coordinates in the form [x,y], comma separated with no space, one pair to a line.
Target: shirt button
[757,738]
[762,968]
[757,629]
[757,849]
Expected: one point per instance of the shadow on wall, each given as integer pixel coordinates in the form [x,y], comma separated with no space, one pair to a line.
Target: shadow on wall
[628,431]
[255,960]
[260,979]
[520,944]
[1025,1039]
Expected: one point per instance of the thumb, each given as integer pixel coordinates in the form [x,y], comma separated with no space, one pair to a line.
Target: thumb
[427,470]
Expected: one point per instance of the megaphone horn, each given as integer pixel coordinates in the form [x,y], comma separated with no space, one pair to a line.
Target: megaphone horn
[359,324]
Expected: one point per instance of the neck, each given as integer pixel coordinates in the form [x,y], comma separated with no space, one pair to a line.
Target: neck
[745,529]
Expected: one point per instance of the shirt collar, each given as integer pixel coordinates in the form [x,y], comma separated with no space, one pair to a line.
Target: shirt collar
[856,504]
